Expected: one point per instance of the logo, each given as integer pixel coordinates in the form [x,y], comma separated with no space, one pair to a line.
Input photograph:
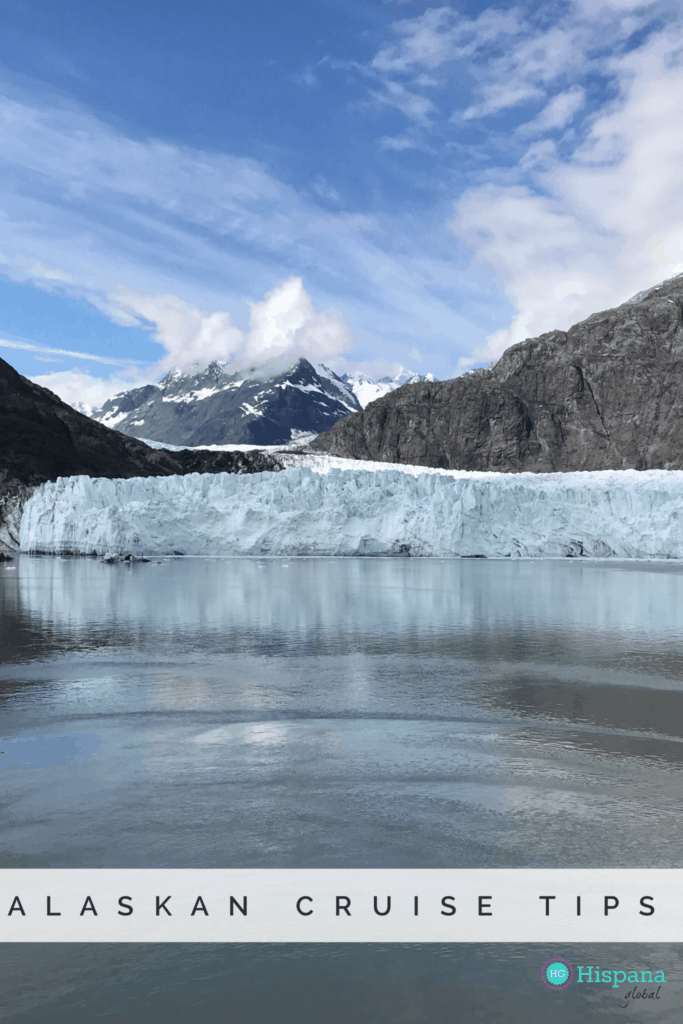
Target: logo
[557,973]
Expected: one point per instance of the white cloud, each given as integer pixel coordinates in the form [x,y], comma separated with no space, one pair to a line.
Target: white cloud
[187,334]
[530,62]
[510,58]
[531,66]
[83,391]
[86,210]
[597,6]
[307,78]
[412,105]
[599,227]
[426,41]
[501,96]
[539,156]
[398,143]
[177,237]
[325,190]
[285,324]
[440,35]
[557,113]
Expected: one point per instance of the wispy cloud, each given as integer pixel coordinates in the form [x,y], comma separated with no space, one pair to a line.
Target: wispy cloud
[537,174]
[502,60]
[591,211]
[557,113]
[398,142]
[590,230]
[48,350]
[530,68]
[411,104]
[441,35]
[322,187]
[90,212]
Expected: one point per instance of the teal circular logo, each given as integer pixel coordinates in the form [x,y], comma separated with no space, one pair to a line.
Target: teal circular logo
[557,973]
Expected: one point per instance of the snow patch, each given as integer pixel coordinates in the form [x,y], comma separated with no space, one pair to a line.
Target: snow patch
[250,410]
[367,390]
[112,419]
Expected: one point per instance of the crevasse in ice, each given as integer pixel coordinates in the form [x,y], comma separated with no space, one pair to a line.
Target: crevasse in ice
[363,509]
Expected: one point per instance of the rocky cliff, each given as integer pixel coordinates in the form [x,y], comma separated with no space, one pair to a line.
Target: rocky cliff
[606,394]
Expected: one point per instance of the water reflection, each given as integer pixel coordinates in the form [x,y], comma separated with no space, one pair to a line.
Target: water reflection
[380,712]
[360,598]
[46,751]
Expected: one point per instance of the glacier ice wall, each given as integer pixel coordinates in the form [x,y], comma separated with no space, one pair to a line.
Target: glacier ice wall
[371,509]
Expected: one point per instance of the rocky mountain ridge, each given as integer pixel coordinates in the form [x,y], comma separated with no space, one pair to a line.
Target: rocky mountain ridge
[263,405]
[606,394]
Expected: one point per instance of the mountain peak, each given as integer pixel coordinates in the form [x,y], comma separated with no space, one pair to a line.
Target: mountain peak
[228,403]
[222,403]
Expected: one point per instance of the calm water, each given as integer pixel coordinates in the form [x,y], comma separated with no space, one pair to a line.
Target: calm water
[328,713]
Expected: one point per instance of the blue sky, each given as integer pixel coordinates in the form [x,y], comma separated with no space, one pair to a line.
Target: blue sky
[373,185]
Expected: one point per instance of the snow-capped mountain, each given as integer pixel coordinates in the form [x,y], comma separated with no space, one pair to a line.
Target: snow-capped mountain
[263,405]
[367,390]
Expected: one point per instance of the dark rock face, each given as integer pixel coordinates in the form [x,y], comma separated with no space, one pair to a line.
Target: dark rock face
[215,406]
[13,495]
[42,438]
[607,394]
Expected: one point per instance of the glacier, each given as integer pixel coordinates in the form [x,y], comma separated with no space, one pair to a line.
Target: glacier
[328,506]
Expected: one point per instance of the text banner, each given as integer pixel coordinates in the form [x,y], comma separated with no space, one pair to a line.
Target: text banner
[341,905]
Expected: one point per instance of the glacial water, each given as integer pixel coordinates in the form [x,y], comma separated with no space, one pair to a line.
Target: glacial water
[378,712]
